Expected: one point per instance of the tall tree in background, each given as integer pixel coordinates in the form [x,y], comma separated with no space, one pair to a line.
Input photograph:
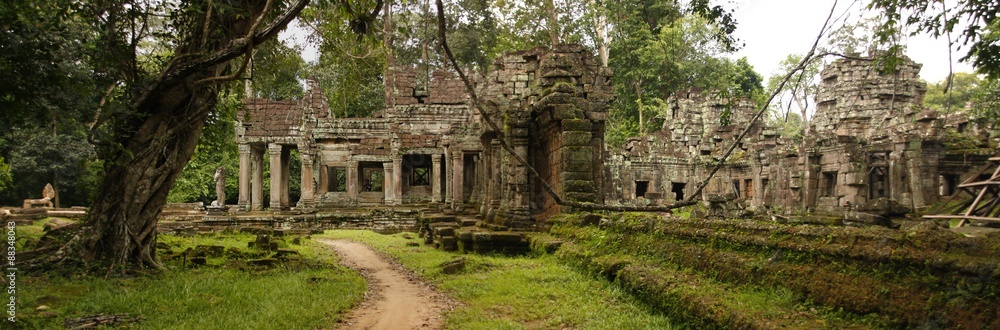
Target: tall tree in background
[800,90]
[352,61]
[658,48]
[952,94]
[47,100]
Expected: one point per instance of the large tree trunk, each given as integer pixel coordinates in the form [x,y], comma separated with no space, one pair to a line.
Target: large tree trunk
[121,222]
[160,136]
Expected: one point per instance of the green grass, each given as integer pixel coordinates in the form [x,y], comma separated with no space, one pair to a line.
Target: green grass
[499,292]
[312,293]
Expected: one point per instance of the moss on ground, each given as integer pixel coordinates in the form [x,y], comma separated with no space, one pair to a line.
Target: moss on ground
[869,277]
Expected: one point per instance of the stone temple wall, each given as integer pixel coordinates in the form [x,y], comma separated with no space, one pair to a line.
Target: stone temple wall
[871,147]
[431,145]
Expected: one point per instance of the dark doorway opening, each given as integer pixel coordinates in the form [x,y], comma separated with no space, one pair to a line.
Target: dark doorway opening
[641,187]
[678,189]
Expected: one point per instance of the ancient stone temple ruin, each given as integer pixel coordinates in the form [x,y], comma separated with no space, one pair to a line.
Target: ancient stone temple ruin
[871,147]
[432,146]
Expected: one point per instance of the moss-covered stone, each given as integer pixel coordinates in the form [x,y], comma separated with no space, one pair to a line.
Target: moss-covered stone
[567,176]
[566,111]
[578,186]
[581,197]
[573,138]
[578,166]
[581,125]
[577,154]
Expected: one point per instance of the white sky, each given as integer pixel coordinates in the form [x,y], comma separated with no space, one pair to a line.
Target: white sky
[772,29]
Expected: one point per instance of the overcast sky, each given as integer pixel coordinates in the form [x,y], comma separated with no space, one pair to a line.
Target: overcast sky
[772,29]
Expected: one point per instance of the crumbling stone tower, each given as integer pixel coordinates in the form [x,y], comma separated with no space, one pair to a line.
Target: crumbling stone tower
[872,140]
[551,105]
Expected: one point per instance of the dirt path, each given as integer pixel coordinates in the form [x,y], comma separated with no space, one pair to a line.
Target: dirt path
[395,299]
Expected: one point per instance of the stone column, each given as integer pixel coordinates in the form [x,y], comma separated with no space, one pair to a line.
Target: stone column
[457,170]
[448,177]
[353,182]
[274,151]
[435,178]
[257,182]
[387,188]
[285,176]
[244,177]
[497,181]
[758,186]
[397,180]
[306,200]
[324,180]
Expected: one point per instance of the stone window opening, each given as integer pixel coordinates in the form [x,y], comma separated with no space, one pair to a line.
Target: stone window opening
[877,183]
[678,189]
[736,188]
[337,181]
[829,184]
[372,178]
[420,176]
[418,169]
[948,184]
[878,179]
[748,188]
[641,187]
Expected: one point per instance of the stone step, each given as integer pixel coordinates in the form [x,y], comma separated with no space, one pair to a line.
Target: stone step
[440,218]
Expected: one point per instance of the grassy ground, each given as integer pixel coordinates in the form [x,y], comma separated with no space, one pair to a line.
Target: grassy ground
[499,292]
[307,293]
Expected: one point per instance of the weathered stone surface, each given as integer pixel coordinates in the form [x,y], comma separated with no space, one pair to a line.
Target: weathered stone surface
[869,140]
[542,99]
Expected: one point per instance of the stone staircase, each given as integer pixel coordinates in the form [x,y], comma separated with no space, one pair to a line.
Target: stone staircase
[465,232]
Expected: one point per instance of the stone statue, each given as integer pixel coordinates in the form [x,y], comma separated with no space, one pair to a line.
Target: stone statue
[220,186]
[48,193]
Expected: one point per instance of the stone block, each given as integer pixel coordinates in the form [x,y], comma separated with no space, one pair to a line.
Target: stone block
[579,186]
[568,176]
[581,197]
[573,138]
[566,111]
[578,154]
[578,166]
[582,125]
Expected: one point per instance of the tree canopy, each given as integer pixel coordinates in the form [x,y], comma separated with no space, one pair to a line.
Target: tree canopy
[971,24]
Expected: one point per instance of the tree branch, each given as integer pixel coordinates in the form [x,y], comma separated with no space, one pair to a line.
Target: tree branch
[800,67]
[235,49]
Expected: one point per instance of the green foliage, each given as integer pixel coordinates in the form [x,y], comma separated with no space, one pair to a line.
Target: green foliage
[987,102]
[5,179]
[216,147]
[37,158]
[44,62]
[973,23]
[788,124]
[658,49]
[277,69]
[964,86]
[797,92]
[351,65]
